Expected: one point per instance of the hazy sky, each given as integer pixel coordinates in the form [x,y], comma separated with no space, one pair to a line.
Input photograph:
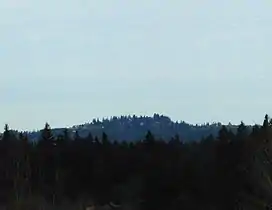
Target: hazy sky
[68,61]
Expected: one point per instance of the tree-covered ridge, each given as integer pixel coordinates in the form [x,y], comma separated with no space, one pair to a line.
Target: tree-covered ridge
[133,128]
[232,170]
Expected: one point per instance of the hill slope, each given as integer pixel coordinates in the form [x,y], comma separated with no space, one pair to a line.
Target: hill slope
[132,128]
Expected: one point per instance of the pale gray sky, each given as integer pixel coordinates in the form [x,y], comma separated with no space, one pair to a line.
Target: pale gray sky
[67,61]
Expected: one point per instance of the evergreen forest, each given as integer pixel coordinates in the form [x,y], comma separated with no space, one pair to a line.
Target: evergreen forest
[224,170]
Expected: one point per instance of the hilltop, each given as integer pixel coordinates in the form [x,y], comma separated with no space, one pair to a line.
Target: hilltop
[133,128]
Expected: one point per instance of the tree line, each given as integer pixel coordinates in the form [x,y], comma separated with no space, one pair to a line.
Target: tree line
[227,171]
[131,128]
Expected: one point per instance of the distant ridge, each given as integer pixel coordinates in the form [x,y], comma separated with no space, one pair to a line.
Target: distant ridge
[132,128]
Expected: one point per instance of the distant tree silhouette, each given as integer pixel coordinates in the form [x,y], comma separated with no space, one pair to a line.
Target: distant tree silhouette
[230,170]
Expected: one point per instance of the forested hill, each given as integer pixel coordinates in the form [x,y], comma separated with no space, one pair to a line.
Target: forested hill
[232,171]
[133,128]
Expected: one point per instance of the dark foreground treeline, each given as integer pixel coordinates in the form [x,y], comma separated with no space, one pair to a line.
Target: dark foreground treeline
[231,171]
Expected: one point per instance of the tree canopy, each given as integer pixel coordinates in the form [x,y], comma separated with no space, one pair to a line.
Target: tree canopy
[230,170]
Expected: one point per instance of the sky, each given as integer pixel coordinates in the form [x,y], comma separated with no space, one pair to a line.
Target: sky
[66,62]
